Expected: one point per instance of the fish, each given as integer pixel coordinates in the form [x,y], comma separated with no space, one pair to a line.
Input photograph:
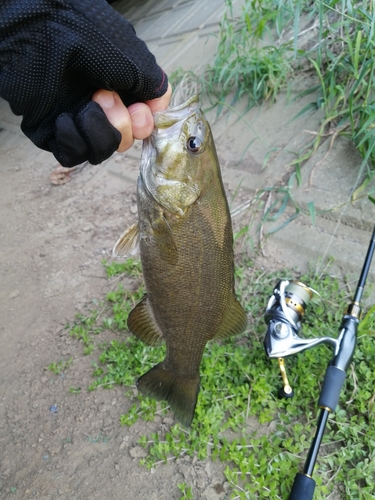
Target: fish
[185,239]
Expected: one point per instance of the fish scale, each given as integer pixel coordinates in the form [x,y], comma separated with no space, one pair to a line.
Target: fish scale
[186,247]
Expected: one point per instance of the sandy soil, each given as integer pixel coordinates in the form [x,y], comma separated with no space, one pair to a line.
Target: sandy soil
[53,239]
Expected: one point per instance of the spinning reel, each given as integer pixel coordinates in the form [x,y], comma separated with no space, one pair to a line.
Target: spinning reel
[283,316]
[284,313]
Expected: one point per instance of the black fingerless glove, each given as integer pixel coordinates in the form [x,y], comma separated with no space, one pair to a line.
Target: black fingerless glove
[54,54]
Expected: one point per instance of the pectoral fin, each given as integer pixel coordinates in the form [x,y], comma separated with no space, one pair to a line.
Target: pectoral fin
[234,321]
[164,240]
[128,243]
[142,324]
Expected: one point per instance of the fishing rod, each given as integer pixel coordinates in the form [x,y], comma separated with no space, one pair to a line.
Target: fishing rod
[283,315]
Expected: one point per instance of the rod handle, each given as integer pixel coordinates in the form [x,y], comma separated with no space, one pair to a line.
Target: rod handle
[332,385]
[303,488]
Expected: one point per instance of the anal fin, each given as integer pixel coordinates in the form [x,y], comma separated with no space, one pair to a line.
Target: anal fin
[234,320]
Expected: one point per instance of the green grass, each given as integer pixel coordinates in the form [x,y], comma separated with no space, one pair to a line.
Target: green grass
[263,441]
[60,366]
[264,44]
[185,490]
[343,62]
[246,65]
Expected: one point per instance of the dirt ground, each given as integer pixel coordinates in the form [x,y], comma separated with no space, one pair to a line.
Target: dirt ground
[55,444]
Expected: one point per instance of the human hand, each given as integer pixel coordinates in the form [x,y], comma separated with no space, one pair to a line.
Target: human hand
[133,122]
[55,56]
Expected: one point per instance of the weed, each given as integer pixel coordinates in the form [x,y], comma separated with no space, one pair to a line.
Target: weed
[75,390]
[185,490]
[342,59]
[60,366]
[130,267]
[244,65]
[340,55]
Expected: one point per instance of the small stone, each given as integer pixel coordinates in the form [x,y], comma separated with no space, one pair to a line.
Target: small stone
[272,426]
[53,409]
[14,294]
[168,421]
[138,452]
[133,209]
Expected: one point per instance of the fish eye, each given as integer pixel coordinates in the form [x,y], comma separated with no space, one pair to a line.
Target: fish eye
[194,144]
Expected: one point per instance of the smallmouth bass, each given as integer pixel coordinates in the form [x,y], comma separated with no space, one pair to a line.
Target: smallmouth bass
[185,240]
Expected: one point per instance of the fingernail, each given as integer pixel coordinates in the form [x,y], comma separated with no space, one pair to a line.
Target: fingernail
[106,99]
[138,118]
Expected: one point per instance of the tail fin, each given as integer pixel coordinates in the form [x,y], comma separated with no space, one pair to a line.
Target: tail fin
[180,392]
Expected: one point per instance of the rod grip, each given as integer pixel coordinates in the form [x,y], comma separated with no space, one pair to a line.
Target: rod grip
[332,385]
[303,488]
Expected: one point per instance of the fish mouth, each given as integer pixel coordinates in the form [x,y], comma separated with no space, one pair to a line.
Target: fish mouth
[173,115]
